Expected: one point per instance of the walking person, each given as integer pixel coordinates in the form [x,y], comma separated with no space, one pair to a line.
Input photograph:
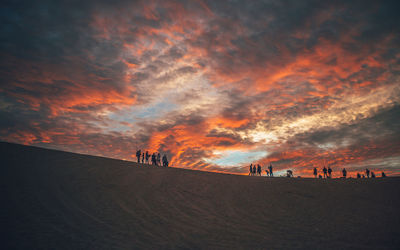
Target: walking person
[315,172]
[271,173]
[251,169]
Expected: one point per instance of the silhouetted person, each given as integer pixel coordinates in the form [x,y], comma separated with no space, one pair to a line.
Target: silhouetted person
[158,159]
[315,172]
[383,175]
[266,171]
[143,157]
[289,173]
[367,172]
[358,176]
[344,172]
[153,159]
[271,173]
[251,169]
[259,169]
[320,176]
[138,153]
[164,160]
[254,170]
[329,172]
[147,157]
[363,176]
[324,170]
[372,174]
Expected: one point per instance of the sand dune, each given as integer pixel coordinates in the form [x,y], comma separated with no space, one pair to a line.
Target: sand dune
[60,200]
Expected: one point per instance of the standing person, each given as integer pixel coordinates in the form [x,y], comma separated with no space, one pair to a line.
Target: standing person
[358,176]
[153,159]
[259,169]
[372,174]
[164,161]
[254,169]
[271,173]
[383,174]
[266,171]
[147,157]
[329,172]
[315,172]
[324,170]
[344,173]
[367,172]
[143,157]
[138,153]
[251,169]
[158,159]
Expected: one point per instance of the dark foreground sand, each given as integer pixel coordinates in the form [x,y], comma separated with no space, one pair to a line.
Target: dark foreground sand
[59,200]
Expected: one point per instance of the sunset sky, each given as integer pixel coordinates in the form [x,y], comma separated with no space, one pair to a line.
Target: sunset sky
[215,85]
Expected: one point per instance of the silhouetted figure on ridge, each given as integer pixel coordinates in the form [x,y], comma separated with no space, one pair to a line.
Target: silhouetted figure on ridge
[358,176]
[251,169]
[138,153]
[259,169]
[372,174]
[367,172]
[165,161]
[271,173]
[383,174]
[143,157]
[289,173]
[266,171]
[254,170]
[315,172]
[344,172]
[329,172]
[324,170]
[158,159]
[153,159]
[147,157]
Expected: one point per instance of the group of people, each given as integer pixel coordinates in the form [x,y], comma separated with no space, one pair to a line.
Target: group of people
[155,158]
[368,173]
[328,173]
[256,170]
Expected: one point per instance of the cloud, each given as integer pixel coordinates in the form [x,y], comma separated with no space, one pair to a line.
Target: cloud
[297,82]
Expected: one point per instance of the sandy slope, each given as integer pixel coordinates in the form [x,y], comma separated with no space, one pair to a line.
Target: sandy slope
[53,199]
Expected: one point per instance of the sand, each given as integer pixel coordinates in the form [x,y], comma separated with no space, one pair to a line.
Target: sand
[59,200]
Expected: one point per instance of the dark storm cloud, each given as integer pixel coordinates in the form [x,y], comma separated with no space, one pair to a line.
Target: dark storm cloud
[384,124]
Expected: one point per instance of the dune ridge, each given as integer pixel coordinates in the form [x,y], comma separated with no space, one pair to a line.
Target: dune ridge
[60,200]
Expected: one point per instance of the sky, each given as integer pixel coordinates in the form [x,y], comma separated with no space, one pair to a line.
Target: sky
[214,85]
